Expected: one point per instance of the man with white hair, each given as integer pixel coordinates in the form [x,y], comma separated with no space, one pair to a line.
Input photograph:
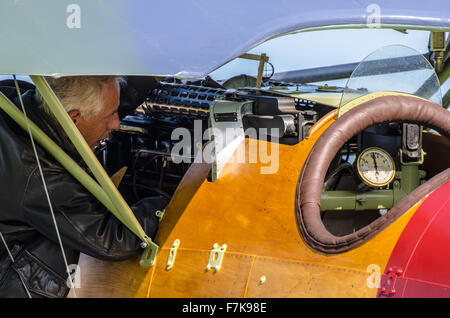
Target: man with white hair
[92,103]
[31,261]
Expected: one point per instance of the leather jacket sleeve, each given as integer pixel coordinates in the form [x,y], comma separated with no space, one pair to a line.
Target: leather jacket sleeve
[84,224]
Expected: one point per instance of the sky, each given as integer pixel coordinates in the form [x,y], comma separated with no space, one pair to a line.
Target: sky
[324,48]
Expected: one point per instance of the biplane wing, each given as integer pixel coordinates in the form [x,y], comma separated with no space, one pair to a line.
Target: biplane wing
[185,38]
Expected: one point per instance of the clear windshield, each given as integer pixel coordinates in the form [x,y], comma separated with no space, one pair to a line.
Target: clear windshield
[393,68]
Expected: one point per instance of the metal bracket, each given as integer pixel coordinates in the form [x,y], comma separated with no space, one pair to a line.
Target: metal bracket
[172,254]
[160,214]
[437,44]
[216,257]
[414,163]
[226,134]
[149,255]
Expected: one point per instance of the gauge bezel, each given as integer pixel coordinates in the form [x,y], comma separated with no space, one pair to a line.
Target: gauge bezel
[361,175]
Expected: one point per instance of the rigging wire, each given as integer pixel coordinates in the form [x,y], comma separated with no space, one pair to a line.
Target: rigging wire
[45,186]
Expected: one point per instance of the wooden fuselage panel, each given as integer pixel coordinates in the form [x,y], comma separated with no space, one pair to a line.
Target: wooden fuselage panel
[254,215]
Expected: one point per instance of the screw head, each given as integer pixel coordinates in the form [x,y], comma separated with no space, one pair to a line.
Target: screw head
[262,280]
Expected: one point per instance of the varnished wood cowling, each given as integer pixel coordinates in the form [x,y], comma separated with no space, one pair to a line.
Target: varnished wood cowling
[254,214]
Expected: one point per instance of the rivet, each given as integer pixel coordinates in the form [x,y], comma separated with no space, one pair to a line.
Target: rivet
[262,280]
[399,272]
[392,292]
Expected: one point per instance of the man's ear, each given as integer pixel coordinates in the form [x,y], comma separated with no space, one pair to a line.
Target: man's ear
[75,115]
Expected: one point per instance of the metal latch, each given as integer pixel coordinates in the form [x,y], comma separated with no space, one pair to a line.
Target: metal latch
[216,256]
[172,254]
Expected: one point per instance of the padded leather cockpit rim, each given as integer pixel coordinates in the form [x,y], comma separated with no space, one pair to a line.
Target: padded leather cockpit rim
[309,187]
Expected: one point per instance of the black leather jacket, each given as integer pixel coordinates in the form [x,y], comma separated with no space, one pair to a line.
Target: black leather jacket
[84,224]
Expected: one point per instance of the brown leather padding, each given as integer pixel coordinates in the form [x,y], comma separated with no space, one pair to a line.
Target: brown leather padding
[309,188]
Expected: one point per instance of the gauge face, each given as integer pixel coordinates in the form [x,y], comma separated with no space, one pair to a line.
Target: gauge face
[375,167]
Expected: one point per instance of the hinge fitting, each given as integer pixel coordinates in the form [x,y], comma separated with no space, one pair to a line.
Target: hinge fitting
[216,257]
[172,254]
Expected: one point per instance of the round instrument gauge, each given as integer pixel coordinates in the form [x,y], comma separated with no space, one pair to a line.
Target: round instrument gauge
[375,167]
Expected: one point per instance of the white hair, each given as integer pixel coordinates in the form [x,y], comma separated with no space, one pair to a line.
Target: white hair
[84,93]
